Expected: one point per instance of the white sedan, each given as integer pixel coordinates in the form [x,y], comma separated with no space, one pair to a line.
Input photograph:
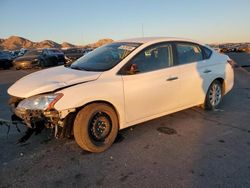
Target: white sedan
[122,84]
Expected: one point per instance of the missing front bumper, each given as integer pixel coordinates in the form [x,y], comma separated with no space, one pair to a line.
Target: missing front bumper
[32,117]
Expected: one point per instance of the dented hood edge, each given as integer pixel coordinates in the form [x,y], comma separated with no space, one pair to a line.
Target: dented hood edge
[35,84]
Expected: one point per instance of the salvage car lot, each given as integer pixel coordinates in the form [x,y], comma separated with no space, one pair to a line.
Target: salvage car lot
[191,148]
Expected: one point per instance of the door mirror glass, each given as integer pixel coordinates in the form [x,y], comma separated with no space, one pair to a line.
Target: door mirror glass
[132,69]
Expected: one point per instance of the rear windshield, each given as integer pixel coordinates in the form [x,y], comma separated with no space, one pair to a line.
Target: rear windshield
[105,57]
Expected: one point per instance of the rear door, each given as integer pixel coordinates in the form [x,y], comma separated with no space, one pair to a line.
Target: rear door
[195,72]
[152,87]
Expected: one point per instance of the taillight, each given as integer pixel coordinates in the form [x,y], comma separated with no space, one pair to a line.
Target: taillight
[232,63]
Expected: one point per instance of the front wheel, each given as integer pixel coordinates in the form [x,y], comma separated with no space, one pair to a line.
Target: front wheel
[213,96]
[42,64]
[96,127]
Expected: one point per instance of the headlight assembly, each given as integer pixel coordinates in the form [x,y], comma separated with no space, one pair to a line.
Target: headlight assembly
[40,102]
[35,60]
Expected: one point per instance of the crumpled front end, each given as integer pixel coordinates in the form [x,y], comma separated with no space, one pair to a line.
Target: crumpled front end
[39,117]
[32,117]
[33,97]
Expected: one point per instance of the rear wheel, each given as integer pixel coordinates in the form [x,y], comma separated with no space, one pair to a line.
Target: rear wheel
[214,96]
[96,127]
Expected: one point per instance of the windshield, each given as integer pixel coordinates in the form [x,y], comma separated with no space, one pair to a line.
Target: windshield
[105,57]
[33,52]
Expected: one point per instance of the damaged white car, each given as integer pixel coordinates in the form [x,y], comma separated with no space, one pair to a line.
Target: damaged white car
[119,85]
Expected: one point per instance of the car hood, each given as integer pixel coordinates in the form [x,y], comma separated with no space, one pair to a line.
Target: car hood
[27,58]
[49,80]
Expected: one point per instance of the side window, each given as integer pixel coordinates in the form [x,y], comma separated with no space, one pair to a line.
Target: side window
[188,53]
[207,52]
[152,58]
[49,52]
[45,52]
[54,51]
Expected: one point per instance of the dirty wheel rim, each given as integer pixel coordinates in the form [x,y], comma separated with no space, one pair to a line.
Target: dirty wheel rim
[100,126]
[215,95]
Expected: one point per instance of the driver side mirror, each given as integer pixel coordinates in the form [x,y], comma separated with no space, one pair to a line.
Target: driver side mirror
[132,69]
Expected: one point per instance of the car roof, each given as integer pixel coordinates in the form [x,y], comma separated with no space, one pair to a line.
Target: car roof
[145,40]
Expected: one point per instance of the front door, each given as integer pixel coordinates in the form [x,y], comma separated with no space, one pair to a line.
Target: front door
[153,87]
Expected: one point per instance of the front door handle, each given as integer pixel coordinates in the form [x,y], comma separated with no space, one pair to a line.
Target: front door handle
[207,71]
[172,78]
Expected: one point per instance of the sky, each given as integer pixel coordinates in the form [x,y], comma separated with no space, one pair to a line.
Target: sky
[86,21]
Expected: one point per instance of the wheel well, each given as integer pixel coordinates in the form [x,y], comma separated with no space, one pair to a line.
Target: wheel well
[103,102]
[221,80]
[70,118]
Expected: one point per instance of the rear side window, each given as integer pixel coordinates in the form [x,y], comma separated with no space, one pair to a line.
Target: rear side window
[207,52]
[188,53]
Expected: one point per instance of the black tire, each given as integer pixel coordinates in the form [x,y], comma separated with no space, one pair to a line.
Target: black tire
[6,65]
[42,64]
[214,96]
[96,127]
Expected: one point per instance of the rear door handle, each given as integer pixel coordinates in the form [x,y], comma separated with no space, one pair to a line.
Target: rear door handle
[172,78]
[207,71]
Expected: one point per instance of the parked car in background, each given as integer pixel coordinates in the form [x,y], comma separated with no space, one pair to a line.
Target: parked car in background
[122,84]
[15,53]
[87,50]
[22,52]
[40,58]
[5,60]
[217,49]
[72,54]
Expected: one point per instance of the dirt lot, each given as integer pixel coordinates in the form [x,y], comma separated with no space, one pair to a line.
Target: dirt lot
[204,149]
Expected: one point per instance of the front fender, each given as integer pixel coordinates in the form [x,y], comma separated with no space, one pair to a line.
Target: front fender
[109,90]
